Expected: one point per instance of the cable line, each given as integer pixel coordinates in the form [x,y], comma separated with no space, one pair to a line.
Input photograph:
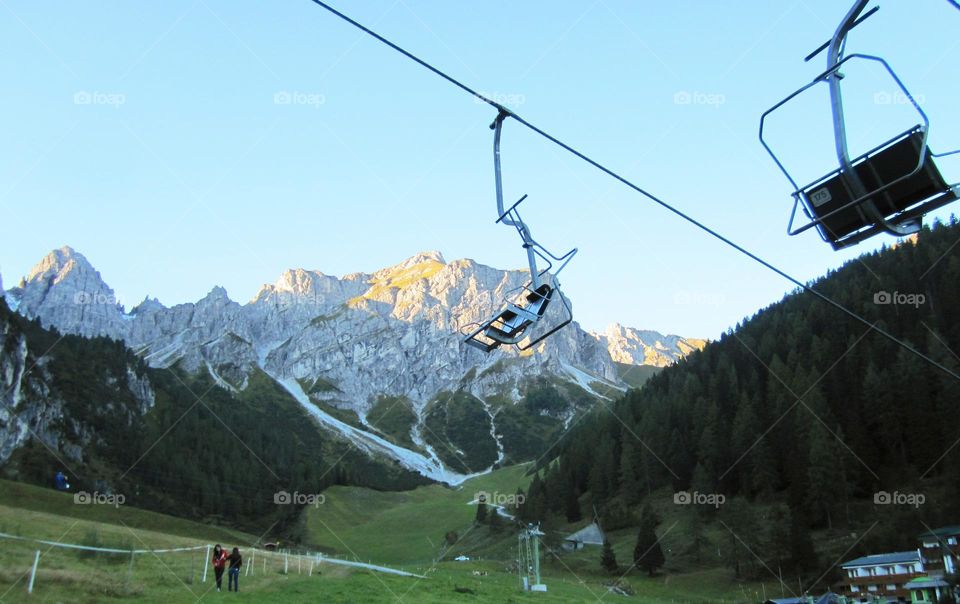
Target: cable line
[500,108]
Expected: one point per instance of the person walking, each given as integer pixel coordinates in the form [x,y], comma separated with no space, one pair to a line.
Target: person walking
[219,561]
[236,561]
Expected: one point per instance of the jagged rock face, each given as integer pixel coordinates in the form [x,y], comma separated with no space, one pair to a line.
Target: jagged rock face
[393,332]
[644,347]
[31,407]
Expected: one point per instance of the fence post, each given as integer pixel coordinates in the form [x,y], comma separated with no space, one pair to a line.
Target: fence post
[286,563]
[130,568]
[299,559]
[206,563]
[310,572]
[253,560]
[33,573]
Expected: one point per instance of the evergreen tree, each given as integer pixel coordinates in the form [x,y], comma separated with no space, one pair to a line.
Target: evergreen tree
[482,510]
[608,560]
[572,505]
[647,553]
[495,522]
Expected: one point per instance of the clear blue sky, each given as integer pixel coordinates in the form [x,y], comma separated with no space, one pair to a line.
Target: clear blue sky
[147,136]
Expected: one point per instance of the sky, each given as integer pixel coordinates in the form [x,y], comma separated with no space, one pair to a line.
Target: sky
[185,144]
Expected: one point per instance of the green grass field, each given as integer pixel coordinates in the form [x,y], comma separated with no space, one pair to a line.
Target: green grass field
[403,530]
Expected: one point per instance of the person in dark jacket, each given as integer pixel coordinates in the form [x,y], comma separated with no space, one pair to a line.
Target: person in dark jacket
[233,579]
[219,561]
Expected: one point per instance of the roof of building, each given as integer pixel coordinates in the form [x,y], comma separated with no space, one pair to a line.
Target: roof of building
[943,531]
[922,582]
[891,558]
[590,534]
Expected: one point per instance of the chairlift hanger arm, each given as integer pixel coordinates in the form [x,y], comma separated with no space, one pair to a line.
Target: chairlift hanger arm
[511,217]
[848,174]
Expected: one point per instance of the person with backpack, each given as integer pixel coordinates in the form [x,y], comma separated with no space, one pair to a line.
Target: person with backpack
[233,579]
[219,561]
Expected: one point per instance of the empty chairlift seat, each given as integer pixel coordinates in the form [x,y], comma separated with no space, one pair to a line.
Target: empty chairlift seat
[510,326]
[899,184]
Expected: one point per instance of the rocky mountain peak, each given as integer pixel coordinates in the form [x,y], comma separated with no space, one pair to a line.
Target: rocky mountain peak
[421,257]
[645,347]
[58,264]
[65,291]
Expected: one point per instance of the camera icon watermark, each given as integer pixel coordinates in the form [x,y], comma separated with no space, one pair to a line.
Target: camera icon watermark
[110,99]
[298,498]
[898,498]
[696,97]
[97,498]
[885,298]
[499,499]
[296,97]
[697,498]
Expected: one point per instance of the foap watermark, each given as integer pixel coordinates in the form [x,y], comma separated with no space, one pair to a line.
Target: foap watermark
[885,298]
[298,498]
[97,498]
[898,498]
[507,99]
[95,298]
[297,97]
[696,97]
[698,498]
[285,300]
[499,499]
[896,97]
[688,298]
[110,99]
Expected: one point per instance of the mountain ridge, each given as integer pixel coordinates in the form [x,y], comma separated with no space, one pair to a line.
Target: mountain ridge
[391,333]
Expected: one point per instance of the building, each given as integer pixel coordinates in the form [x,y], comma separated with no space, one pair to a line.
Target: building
[882,577]
[940,550]
[928,589]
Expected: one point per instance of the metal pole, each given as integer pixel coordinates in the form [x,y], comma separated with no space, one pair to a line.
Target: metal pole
[33,573]
[849,175]
[206,563]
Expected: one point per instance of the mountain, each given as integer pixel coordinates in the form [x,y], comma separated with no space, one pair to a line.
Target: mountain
[375,357]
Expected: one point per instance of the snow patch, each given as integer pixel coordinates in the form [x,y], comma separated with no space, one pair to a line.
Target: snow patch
[431,468]
[583,379]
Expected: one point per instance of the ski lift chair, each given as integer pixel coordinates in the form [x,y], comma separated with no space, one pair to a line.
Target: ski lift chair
[889,188]
[527,306]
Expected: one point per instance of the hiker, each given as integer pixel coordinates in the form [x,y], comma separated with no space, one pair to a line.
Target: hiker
[219,560]
[233,579]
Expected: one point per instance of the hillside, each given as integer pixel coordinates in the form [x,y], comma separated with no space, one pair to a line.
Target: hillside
[68,575]
[95,411]
[798,408]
